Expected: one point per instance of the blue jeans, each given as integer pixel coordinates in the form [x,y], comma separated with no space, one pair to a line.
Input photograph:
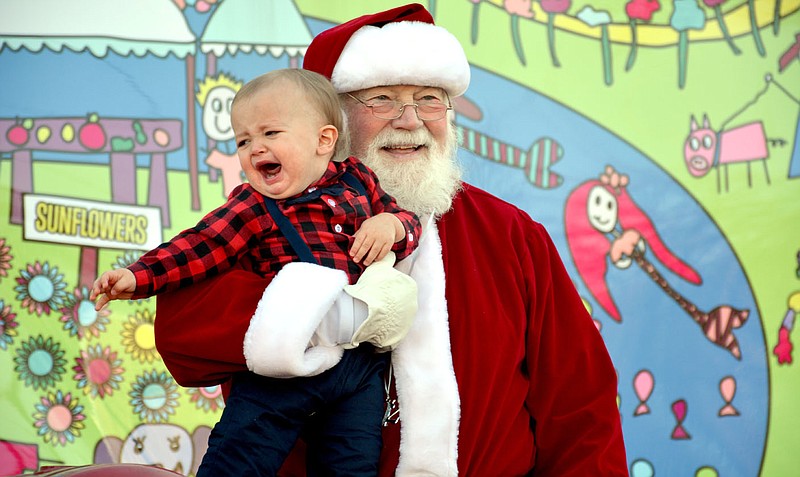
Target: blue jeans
[338,413]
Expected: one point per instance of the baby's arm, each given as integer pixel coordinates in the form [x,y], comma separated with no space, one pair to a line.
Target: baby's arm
[116,284]
[375,237]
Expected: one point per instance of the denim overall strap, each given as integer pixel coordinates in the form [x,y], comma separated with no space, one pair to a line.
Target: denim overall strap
[287,229]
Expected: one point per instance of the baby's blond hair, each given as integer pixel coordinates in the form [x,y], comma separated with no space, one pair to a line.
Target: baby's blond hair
[321,96]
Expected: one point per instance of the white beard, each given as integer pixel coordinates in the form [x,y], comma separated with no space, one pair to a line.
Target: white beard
[426,185]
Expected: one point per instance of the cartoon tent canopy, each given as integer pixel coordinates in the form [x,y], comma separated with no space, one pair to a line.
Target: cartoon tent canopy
[156,27]
[142,27]
[275,27]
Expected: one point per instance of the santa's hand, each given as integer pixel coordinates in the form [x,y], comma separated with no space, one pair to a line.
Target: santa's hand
[340,322]
[391,299]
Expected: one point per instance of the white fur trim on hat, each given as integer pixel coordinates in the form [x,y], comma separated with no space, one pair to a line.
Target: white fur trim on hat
[412,53]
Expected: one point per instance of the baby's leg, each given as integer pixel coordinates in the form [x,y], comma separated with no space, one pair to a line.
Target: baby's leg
[259,426]
[345,438]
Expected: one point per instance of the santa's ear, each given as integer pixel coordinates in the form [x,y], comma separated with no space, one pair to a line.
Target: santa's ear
[328,135]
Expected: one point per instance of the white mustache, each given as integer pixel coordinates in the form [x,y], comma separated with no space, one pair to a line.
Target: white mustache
[394,138]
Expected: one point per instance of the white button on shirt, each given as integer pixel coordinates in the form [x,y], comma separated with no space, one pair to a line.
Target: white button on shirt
[332,202]
[338,228]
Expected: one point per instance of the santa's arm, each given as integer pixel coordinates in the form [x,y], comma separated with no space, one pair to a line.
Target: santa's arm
[239,321]
[200,329]
[576,420]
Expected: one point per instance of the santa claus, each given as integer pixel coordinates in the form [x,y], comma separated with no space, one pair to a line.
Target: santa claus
[503,371]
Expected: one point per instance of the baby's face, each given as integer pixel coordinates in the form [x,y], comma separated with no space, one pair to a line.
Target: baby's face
[278,138]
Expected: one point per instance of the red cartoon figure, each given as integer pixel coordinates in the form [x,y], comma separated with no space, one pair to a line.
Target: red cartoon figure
[783,350]
[603,221]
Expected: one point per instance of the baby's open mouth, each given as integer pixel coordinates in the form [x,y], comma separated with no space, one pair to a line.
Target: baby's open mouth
[270,170]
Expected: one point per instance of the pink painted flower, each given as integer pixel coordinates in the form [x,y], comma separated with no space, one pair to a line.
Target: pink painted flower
[555,6]
[521,8]
[642,9]
[5,258]
[638,10]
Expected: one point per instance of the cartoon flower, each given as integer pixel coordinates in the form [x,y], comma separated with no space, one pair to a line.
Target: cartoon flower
[98,371]
[685,15]
[715,5]
[79,316]
[638,10]
[154,396]
[5,258]
[208,398]
[40,288]
[139,337]
[59,418]
[474,23]
[8,325]
[600,18]
[40,362]
[517,9]
[754,27]
[776,18]
[553,7]
[126,259]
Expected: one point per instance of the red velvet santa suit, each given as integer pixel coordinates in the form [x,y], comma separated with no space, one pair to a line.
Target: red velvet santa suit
[536,386]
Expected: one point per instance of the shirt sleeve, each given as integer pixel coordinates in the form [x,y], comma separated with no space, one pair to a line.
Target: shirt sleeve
[212,246]
[382,202]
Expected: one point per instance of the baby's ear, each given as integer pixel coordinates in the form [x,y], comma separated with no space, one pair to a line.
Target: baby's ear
[328,135]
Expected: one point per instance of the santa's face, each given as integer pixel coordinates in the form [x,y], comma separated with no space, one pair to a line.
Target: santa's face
[415,160]
[365,126]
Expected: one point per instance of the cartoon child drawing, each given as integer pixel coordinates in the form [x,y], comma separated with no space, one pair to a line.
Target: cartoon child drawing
[783,350]
[215,95]
[603,221]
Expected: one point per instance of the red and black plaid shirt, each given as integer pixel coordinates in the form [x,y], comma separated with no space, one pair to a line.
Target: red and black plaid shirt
[243,227]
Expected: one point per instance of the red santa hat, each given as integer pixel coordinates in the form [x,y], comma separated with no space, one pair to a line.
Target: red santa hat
[398,46]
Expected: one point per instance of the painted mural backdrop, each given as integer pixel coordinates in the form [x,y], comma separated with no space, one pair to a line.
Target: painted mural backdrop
[114,135]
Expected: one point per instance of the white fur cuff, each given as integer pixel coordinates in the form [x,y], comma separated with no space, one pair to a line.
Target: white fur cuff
[291,308]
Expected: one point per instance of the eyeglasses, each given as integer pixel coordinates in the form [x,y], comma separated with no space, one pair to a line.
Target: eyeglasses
[427,109]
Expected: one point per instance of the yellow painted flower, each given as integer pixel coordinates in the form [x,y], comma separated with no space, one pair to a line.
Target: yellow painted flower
[139,337]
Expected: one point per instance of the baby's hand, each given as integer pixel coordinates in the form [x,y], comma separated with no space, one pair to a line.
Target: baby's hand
[116,284]
[375,238]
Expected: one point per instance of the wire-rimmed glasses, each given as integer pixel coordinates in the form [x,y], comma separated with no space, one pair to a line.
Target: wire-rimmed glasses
[388,109]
